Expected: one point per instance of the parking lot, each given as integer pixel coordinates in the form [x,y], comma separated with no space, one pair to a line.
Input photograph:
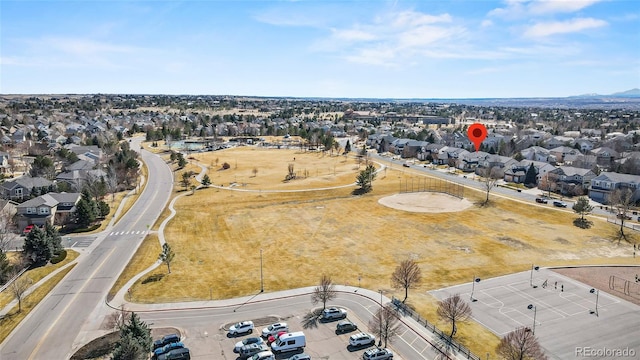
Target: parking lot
[321,338]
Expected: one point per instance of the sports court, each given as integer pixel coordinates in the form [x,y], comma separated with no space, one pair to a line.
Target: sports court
[567,323]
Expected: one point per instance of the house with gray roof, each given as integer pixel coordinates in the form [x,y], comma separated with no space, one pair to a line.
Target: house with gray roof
[602,185]
[77,178]
[51,208]
[21,188]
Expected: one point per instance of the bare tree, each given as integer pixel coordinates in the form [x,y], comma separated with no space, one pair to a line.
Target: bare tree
[112,181]
[324,292]
[490,180]
[453,309]
[6,224]
[520,344]
[166,256]
[621,201]
[292,174]
[117,319]
[255,171]
[19,286]
[385,324]
[406,276]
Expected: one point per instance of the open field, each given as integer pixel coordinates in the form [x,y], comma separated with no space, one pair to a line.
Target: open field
[218,234]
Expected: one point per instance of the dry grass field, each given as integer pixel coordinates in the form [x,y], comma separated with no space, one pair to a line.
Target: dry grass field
[218,234]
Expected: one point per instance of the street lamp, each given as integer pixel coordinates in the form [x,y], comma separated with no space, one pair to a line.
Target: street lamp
[536,268]
[597,292]
[380,320]
[531,306]
[473,284]
[261,277]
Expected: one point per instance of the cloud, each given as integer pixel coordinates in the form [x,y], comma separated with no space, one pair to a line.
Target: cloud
[559,6]
[353,35]
[486,23]
[544,29]
[522,8]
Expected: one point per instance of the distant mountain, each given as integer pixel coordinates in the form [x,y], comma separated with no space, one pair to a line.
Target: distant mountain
[629,93]
[633,93]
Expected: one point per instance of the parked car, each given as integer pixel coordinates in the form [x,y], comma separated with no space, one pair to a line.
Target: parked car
[377,354]
[333,313]
[247,341]
[275,337]
[27,229]
[302,356]
[243,327]
[541,200]
[166,340]
[274,329]
[625,216]
[248,351]
[362,339]
[345,326]
[263,355]
[165,349]
[176,354]
[559,204]
[406,165]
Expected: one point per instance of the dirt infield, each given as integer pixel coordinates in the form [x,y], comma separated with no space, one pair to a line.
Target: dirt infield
[425,202]
[599,276]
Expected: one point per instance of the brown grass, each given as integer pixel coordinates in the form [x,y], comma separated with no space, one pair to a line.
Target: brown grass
[13,318]
[217,235]
[38,274]
[144,257]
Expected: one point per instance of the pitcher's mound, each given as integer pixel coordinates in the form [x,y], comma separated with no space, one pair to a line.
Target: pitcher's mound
[426,202]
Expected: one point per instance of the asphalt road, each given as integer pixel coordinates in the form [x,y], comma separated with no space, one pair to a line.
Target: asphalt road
[49,331]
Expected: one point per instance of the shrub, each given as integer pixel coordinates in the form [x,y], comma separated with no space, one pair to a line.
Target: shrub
[59,256]
[225,166]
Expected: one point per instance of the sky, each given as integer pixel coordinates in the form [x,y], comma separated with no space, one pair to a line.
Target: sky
[321,48]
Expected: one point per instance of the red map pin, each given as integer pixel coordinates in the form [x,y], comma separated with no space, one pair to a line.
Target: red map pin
[477,133]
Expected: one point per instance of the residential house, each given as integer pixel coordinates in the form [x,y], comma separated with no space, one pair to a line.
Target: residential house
[51,208]
[21,188]
[497,161]
[535,153]
[557,141]
[517,172]
[572,180]
[605,157]
[397,146]
[585,145]
[77,178]
[561,151]
[5,168]
[605,183]
[469,162]
[448,155]
[413,148]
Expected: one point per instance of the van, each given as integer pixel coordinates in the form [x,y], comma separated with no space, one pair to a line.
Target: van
[289,342]
[176,354]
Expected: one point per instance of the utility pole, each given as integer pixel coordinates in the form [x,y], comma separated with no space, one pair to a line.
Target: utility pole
[261,276]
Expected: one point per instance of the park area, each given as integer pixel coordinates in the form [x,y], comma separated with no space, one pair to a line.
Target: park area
[313,224]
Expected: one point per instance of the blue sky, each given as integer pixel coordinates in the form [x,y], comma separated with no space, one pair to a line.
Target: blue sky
[368,49]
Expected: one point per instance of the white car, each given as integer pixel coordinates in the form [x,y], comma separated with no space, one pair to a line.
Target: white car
[362,339]
[243,327]
[334,313]
[274,329]
[377,354]
[263,355]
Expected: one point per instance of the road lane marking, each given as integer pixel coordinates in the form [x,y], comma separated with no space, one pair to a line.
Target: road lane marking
[53,324]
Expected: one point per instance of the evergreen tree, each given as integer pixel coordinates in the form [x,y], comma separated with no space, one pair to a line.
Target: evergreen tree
[85,211]
[53,237]
[206,180]
[37,248]
[530,177]
[135,340]
[347,147]
[365,178]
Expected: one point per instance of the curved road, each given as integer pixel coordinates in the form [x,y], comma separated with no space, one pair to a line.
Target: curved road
[51,328]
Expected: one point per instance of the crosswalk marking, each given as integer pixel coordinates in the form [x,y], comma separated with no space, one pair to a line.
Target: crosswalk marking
[132,232]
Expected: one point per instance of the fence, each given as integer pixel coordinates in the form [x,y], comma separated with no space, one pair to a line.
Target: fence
[444,342]
[614,220]
[431,185]
[625,286]
[5,286]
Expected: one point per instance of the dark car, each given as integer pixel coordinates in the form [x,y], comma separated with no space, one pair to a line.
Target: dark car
[165,349]
[541,200]
[345,326]
[176,354]
[166,340]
